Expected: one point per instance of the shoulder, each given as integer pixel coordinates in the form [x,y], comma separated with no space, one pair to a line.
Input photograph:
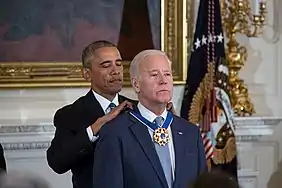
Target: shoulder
[117,126]
[70,110]
[123,98]
[76,105]
[185,124]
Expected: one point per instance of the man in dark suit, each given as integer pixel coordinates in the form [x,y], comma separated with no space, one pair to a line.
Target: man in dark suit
[149,146]
[2,160]
[78,124]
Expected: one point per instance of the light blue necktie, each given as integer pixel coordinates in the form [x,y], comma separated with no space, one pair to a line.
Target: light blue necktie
[164,156]
[111,107]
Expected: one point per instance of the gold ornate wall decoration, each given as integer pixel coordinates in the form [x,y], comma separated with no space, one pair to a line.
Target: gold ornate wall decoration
[237,17]
[176,32]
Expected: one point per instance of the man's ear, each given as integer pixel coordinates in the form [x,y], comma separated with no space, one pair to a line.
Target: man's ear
[171,108]
[86,74]
[135,84]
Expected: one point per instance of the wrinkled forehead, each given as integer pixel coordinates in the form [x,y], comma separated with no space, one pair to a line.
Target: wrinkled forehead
[155,62]
[106,54]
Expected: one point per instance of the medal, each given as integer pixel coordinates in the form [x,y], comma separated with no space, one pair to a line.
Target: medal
[160,135]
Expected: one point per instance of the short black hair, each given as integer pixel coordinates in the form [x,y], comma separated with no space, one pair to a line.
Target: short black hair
[89,51]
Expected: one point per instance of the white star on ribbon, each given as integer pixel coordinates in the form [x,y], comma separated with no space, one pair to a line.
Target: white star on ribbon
[198,43]
[204,40]
[220,38]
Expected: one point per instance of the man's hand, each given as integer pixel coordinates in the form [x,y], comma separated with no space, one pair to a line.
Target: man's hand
[171,108]
[108,117]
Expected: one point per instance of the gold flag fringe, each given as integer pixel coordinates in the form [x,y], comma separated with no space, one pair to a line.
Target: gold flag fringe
[227,154]
[203,91]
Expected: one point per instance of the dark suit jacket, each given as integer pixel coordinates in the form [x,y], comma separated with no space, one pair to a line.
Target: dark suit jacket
[2,159]
[125,156]
[71,148]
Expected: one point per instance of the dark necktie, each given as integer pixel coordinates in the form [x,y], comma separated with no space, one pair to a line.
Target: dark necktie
[110,107]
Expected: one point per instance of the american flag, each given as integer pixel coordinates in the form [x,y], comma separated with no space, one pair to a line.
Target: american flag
[198,105]
[200,101]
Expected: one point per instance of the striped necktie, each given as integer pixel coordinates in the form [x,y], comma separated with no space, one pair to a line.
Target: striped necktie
[110,107]
[164,156]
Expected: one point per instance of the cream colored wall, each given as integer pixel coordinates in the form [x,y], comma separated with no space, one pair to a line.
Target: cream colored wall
[261,73]
[39,105]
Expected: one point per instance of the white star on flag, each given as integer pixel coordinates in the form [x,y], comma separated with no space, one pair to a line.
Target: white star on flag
[204,40]
[220,38]
[198,43]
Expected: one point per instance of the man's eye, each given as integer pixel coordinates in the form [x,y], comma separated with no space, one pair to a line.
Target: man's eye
[106,65]
[118,63]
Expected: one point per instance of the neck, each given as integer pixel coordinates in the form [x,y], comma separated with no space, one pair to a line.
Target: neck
[157,109]
[107,96]
[110,97]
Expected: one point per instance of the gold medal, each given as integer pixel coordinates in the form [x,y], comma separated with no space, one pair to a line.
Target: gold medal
[161,136]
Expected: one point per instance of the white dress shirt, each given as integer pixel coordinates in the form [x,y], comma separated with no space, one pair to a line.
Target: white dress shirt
[150,116]
[104,104]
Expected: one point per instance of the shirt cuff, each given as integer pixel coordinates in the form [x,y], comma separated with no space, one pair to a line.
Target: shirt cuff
[92,137]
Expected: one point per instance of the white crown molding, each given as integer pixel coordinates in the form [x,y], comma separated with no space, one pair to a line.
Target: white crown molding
[33,137]
[8,129]
[248,174]
[26,137]
[251,129]
[26,145]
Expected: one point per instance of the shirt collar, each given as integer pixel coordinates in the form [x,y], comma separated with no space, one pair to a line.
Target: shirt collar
[146,113]
[105,102]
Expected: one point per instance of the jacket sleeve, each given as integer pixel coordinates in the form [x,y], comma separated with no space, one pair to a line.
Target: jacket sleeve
[108,167]
[68,146]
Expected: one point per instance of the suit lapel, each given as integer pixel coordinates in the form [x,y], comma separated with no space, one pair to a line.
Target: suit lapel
[143,137]
[94,107]
[121,98]
[179,143]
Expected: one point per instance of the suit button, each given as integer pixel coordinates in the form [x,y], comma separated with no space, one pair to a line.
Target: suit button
[83,150]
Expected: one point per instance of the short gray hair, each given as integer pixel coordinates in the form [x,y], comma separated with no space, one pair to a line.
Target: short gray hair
[21,180]
[134,65]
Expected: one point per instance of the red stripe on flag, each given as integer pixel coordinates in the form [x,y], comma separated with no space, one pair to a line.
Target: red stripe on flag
[208,146]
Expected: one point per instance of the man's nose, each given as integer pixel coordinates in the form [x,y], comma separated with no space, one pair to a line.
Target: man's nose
[163,79]
[116,70]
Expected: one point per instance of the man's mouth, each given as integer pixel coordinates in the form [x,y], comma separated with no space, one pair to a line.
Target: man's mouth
[163,90]
[116,80]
